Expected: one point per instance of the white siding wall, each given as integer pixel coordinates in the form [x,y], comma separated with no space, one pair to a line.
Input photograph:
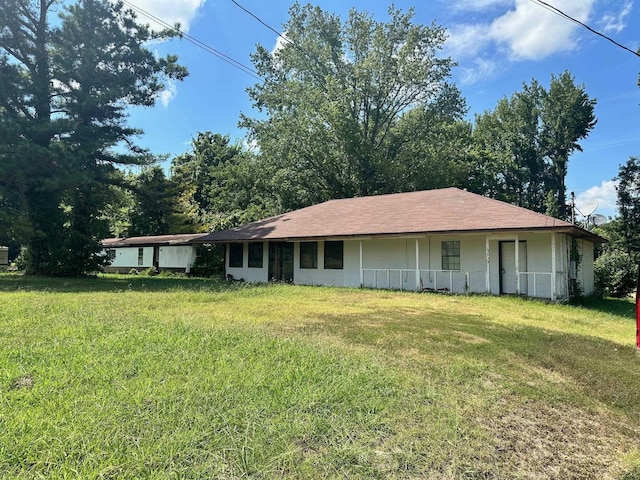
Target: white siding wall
[127,257]
[352,263]
[174,256]
[177,256]
[585,271]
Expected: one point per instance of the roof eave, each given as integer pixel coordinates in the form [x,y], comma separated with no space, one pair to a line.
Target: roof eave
[569,229]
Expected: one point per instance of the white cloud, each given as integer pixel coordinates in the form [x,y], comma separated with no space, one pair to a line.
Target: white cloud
[526,31]
[169,11]
[531,32]
[605,194]
[467,40]
[480,69]
[168,93]
[615,22]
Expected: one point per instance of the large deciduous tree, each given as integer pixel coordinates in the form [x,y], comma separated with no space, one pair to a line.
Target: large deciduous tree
[346,103]
[567,114]
[523,146]
[66,87]
[509,164]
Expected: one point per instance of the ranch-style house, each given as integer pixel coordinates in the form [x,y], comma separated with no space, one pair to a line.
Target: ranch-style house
[444,240]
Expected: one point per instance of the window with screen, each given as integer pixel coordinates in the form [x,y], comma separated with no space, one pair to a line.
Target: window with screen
[255,255]
[235,254]
[451,255]
[140,256]
[308,254]
[333,255]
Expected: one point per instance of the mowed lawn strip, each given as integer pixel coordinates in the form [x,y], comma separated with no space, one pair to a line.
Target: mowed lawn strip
[138,377]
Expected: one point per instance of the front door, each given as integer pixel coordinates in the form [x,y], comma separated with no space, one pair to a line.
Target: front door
[508,279]
[281,262]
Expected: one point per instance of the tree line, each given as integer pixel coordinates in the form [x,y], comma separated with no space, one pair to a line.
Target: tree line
[346,107]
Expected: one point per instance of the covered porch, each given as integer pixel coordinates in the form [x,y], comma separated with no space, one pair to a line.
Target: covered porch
[488,264]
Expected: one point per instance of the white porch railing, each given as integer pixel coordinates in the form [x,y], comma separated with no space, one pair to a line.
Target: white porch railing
[533,284]
[536,284]
[456,281]
[391,278]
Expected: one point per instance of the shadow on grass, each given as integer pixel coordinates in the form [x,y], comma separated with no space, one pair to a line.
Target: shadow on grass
[113,282]
[624,307]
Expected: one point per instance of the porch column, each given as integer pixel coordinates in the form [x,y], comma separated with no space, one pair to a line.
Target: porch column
[517,265]
[417,265]
[553,266]
[487,276]
[361,267]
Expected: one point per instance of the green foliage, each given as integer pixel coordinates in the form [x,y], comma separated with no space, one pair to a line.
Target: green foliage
[66,86]
[616,268]
[221,185]
[615,273]
[522,148]
[567,117]
[356,107]
[209,261]
[629,204]
[118,208]
[156,209]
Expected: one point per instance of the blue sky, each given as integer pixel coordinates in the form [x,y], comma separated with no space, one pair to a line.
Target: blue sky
[498,45]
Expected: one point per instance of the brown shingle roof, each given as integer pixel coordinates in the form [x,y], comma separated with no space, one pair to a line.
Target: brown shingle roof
[179,239]
[429,211]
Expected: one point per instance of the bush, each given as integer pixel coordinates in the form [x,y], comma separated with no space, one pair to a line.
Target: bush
[615,273]
[209,261]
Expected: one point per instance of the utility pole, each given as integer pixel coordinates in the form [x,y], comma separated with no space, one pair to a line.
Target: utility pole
[573,207]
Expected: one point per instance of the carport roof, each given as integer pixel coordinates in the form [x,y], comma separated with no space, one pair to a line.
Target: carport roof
[179,239]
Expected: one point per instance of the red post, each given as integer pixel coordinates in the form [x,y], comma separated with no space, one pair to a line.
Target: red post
[638,310]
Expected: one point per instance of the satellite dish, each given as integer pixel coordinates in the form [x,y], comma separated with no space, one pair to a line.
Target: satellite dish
[599,219]
[588,207]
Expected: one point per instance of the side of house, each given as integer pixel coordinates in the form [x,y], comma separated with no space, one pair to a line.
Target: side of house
[172,253]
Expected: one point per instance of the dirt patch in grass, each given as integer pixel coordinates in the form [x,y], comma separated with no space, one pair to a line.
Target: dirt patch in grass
[25,381]
[538,441]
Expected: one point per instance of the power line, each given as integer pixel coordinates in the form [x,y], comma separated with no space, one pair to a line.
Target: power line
[262,22]
[209,49]
[559,12]
[307,55]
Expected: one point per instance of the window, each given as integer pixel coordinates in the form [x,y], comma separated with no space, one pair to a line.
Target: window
[333,255]
[140,256]
[235,254]
[255,255]
[111,253]
[451,255]
[308,254]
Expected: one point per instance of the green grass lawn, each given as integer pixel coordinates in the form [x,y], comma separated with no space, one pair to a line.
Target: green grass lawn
[140,377]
